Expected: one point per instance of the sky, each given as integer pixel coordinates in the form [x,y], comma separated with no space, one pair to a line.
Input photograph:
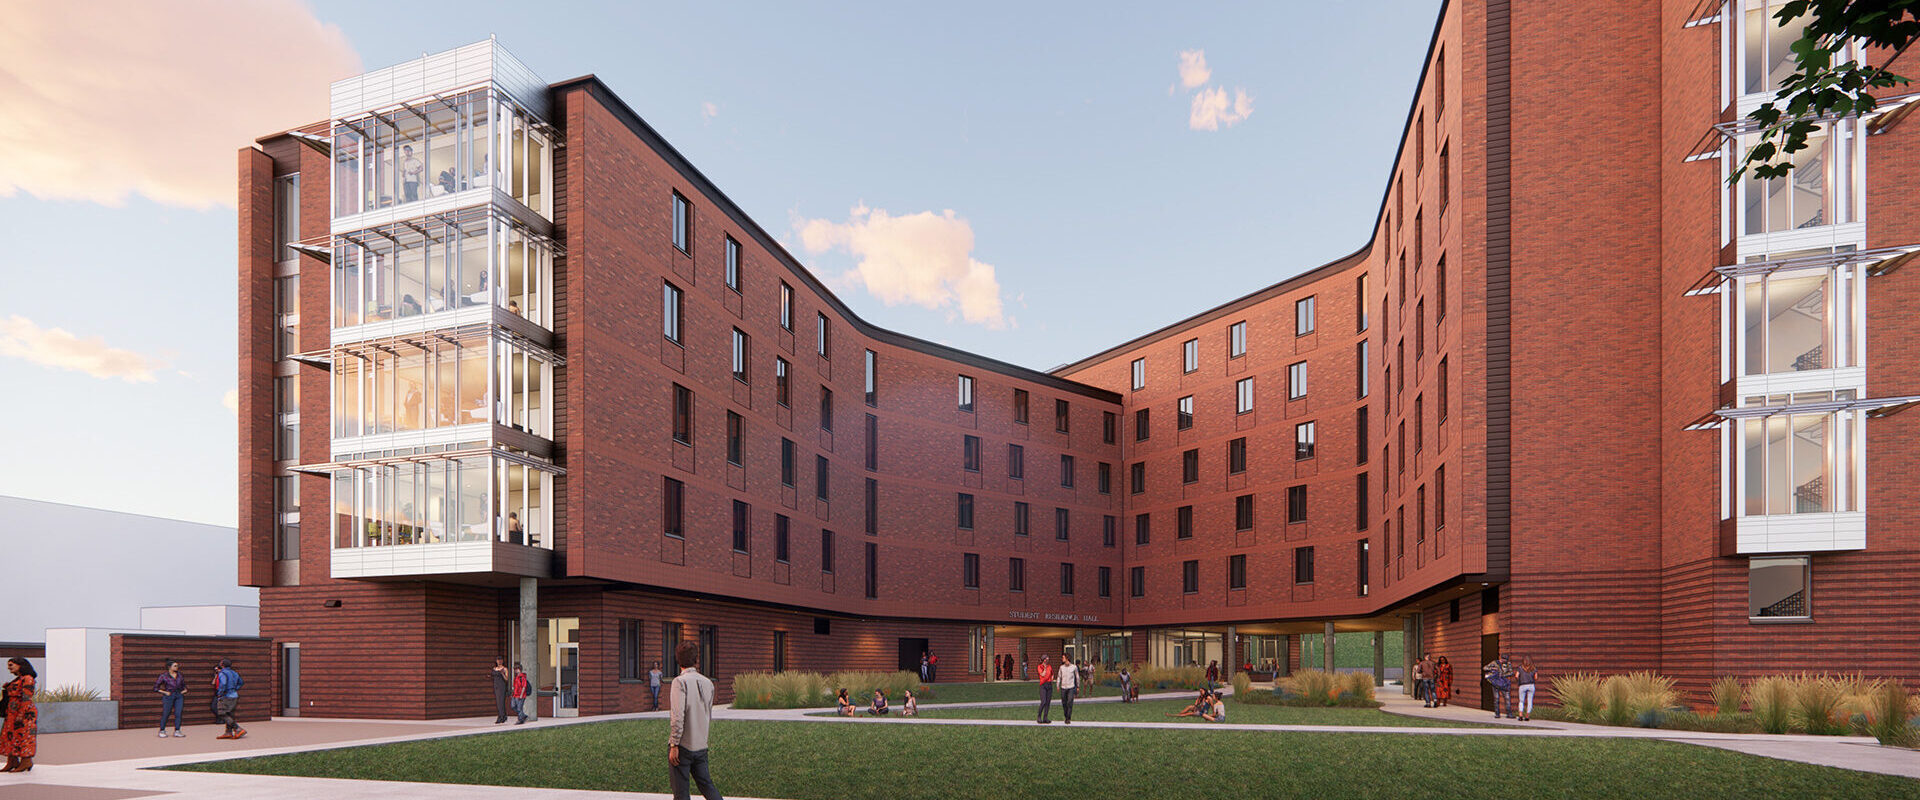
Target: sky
[1031,182]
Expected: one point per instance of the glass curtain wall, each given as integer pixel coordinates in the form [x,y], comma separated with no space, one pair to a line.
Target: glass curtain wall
[1800,463]
[443,500]
[423,385]
[435,147]
[1766,46]
[435,264]
[1793,322]
[1820,189]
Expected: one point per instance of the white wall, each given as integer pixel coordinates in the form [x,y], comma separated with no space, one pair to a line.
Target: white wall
[203,620]
[94,568]
[82,656]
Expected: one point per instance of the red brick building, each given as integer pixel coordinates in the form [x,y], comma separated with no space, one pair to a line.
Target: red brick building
[1576,398]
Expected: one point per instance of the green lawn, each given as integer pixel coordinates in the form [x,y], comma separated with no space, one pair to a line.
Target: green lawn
[835,761]
[995,692]
[1244,713]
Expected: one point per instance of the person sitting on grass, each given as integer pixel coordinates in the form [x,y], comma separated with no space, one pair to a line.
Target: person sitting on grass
[878,707]
[846,706]
[1218,713]
[1198,707]
[912,705]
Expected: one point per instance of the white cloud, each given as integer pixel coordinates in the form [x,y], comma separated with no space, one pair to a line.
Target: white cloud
[922,258]
[231,400]
[124,97]
[1211,111]
[56,348]
[1193,68]
[708,111]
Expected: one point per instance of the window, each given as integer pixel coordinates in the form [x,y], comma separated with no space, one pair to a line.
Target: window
[286,315]
[1419,331]
[1016,574]
[820,477]
[826,409]
[1360,303]
[1360,435]
[682,224]
[826,550]
[1303,565]
[1016,461]
[779,651]
[873,570]
[1303,436]
[1767,52]
[1243,512]
[1137,581]
[1183,522]
[786,462]
[1021,515]
[1360,497]
[786,306]
[1183,418]
[782,382]
[1106,478]
[1109,427]
[1779,587]
[1237,456]
[873,507]
[1420,514]
[709,649]
[630,650]
[1140,429]
[670,638]
[820,334]
[1440,497]
[1296,504]
[1237,340]
[966,395]
[970,570]
[1060,415]
[1062,524]
[1106,582]
[682,414]
[742,514]
[970,453]
[1445,193]
[1361,355]
[1296,380]
[1360,567]
[1419,422]
[1243,395]
[1066,471]
[1420,142]
[1795,463]
[1190,577]
[670,311]
[1142,529]
[1440,390]
[739,355]
[286,510]
[1020,406]
[1439,294]
[1439,85]
[1190,355]
[1303,316]
[1237,572]
[733,438]
[673,508]
[873,443]
[873,380]
[1402,464]
[1139,477]
[286,217]
[733,265]
[964,516]
[286,406]
[1139,374]
[782,527]
[1109,530]
[1190,466]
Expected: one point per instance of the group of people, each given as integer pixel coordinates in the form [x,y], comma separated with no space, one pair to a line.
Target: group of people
[1210,706]
[511,690]
[1068,677]
[1004,670]
[1505,677]
[1433,681]
[172,686]
[929,666]
[877,706]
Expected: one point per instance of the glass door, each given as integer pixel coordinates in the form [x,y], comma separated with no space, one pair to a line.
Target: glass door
[567,687]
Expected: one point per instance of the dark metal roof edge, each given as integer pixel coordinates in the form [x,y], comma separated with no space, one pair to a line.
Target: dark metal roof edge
[600,91]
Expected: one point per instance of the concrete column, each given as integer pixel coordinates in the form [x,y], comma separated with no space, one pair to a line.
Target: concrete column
[1409,651]
[1329,647]
[528,649]
[1233,660]
[1080,645]
[992,660]
[1379,658]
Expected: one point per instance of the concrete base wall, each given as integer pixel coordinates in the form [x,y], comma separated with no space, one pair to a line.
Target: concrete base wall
[102,715]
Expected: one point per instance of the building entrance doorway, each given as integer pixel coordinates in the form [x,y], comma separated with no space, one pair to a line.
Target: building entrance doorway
[567,681]
[556,677]
[1489,650]
[290,680]
[910,650]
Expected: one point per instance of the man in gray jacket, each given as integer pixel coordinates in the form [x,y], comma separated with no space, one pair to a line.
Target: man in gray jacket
[689,717]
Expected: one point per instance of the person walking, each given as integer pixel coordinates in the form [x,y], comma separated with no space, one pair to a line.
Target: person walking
[522,689]
[653,684]
[923,667]
[1499,677]
[1524,678]
[1443,680]
[1420,682]
[20,730]
[933,666]
[690,715]
[1045,671]
[501,681]
[1126,685]
[226,693]
[1069,679]
[172,688]
[1213,673]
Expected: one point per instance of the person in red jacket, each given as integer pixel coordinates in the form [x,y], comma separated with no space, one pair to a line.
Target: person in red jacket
[1045,671]
[522,688]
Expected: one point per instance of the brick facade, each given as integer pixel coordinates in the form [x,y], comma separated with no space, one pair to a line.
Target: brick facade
[136,660]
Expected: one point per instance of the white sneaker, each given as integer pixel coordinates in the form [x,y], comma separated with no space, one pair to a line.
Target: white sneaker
[179,735]
[163,734]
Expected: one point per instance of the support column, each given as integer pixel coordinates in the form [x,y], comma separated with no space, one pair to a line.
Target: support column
[1232,654]
[1328,647]
[993,660]
[527,647]
[1410,651]
[1080,645]
[1379,658]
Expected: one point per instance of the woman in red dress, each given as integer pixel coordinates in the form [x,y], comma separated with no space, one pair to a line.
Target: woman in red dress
[17,732]
[1444,685]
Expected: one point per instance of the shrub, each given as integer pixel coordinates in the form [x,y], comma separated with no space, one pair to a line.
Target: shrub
[1313,684]
[1726,695]
[1619,707]
[1731,722]
[71,693]
[1815,699]
[813,690]
[1170,678]
[1649,691]
[1580,694]
[1358,685]
[1890,720]
[1771,699]
[1242,684]
[1278,698]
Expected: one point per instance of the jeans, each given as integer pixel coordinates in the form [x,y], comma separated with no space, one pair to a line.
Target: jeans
[655,688]
[175,706]
[1426,690]
[1046,702]
[1126,691]
[1502,701]
[520,708]
[1526,699]
[1066,701]
[693,764]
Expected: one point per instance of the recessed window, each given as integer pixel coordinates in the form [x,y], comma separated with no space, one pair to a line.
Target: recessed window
[742,515]
[1440,392]
[1360,435]
[1303,316]
[1303,565]
[1360,303]
[1296,380]
[786,462]
[1439,497]
[682,224]
[1237,456]
[782,382]
[826,551]
[1360,502]
[1066,578]
[1060,415]
[826,409]
[966,394]
[970,570]
[670,302]
[1237,340]
[1361,567]
[873,570]
[1296,504]
[1184,414]
[1142,528]
[1140,428]
[1303,436]
[873,507]
[1190,355]
[1109,530]
[1361,353]
[1106,582]
[1062,524]
[674,508]
[1237,572]
[1137,581]
[1022,516]
[1020,406]
[964,518]
[733,265]
[1106,478]
[1190,577]
[1190,466]
[1779,587]
[1419,422]
[1243,396]
[1066,471]
[682,414]
[1016,574]
[735,437]
[820,334]
[1139,477]
[1243,512]
[873,379]
[873,442]
[786,306]
[741,346]
[1420,514]
[970,453]
[1109,427]
[1183,522]
[820,478]
[782,528]
[1139,374]
[1016,461]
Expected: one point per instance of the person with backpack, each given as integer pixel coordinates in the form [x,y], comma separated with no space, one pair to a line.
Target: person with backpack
[522,688]
[226,694]
[1498,674]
